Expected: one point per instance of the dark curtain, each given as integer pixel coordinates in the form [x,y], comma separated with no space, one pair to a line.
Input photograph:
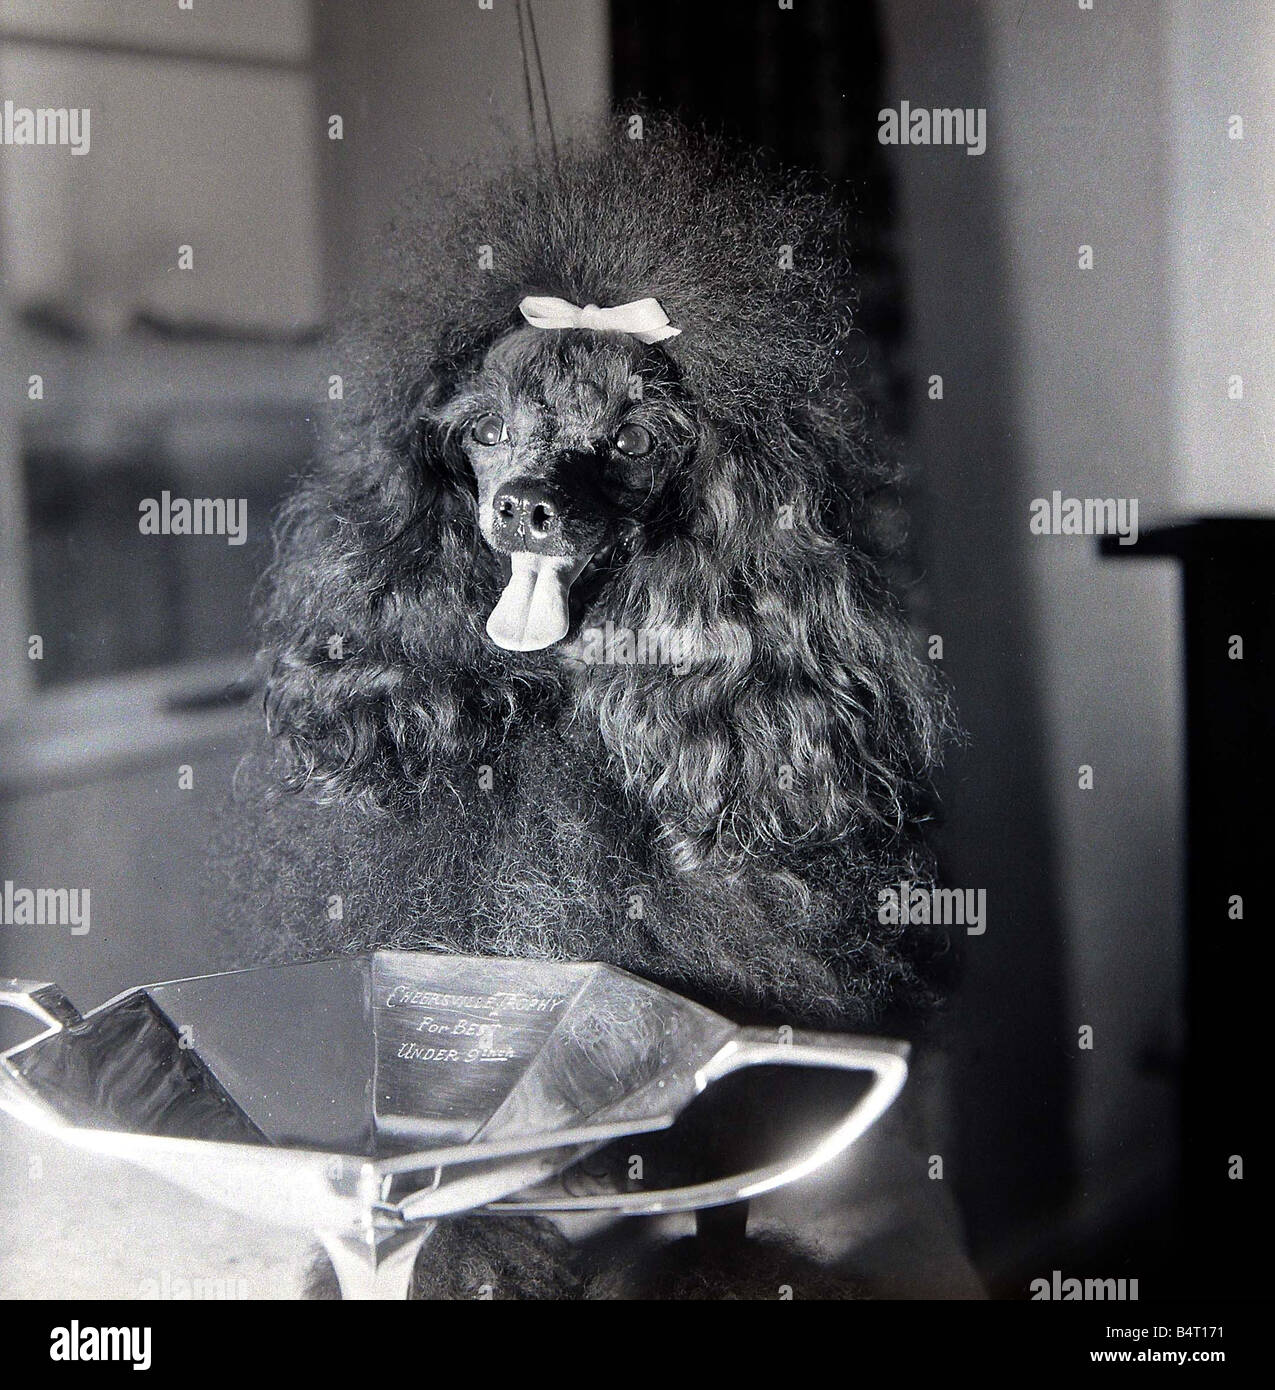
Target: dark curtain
[804,86]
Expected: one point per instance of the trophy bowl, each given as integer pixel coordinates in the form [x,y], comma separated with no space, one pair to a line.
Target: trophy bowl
[364,1098]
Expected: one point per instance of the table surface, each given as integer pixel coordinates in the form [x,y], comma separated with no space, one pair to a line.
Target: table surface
[79,1226]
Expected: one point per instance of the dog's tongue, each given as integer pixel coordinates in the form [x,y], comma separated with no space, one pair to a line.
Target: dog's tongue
[532,612]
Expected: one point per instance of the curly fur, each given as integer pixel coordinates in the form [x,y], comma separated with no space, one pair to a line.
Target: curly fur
[723,829]
[528,1260]
[481,1258]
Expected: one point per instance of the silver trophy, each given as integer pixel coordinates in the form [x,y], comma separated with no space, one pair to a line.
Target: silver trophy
[365,1098]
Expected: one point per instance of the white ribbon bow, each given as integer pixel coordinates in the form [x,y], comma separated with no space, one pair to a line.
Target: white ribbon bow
[643,318]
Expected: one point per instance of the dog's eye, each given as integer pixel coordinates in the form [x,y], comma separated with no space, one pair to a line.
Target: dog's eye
[634,440]
[488,430]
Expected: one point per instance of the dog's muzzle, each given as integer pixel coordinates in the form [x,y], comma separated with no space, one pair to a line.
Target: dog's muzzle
[548,542]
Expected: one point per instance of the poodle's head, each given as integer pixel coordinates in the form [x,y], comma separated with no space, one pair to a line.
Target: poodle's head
[599,470]
[569,437]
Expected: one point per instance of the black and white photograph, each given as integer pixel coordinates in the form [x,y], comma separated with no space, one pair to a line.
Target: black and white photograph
[637,664]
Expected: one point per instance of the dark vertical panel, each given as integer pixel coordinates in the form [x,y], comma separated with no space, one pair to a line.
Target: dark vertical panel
[1230,706]
[802,84]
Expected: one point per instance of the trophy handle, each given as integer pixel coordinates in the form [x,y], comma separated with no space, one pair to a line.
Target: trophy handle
[44,1002]
[756,1047]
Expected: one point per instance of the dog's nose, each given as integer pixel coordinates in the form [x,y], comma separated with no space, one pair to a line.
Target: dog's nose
[528,515]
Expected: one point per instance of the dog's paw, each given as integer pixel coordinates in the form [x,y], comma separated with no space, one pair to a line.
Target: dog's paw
[511,1257]
[320,1279]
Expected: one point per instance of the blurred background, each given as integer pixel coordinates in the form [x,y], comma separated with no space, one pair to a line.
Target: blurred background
[126,375]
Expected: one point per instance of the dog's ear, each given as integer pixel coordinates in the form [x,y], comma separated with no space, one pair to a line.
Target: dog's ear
[377,669]
[796,712]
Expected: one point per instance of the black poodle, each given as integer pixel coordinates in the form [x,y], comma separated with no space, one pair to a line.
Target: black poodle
[576,645]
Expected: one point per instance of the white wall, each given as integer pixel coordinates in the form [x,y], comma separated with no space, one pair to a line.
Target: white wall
[1084,136]
[1221,64]
[418,96]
